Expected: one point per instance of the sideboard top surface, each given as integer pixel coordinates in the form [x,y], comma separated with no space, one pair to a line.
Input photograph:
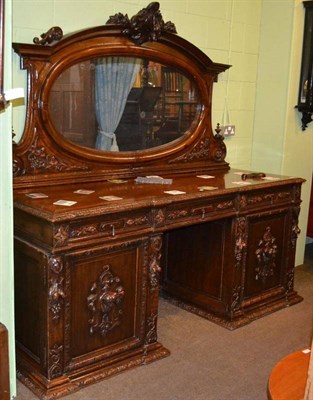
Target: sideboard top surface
[132,195]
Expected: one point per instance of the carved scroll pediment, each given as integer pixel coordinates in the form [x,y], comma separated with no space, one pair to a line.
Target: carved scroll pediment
[146,25]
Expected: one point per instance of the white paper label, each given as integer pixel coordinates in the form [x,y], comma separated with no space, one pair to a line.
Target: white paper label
[12,94]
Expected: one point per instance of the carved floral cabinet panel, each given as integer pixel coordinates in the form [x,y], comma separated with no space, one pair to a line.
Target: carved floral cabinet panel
[267,251]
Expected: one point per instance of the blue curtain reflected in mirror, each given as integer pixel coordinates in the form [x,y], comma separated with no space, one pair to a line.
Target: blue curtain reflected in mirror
[114,78]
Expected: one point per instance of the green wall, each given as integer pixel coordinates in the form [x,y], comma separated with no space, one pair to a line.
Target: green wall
[279,144]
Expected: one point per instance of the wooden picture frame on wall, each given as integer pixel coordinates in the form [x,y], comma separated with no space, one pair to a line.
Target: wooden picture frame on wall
[2,99]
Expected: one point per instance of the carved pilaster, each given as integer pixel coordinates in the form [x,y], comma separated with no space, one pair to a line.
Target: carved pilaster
[56,293]
[154,263]
[105,303]
[240,249]
[241,241]
[56,300]
[295,230]
[153,259]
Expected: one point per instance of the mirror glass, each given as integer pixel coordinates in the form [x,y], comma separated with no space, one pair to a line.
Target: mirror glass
[123,103]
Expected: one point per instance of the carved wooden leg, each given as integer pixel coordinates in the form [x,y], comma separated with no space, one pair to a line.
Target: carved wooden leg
[4,364]
[154,270]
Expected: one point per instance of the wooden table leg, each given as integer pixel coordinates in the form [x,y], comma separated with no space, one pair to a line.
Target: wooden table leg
[4,364]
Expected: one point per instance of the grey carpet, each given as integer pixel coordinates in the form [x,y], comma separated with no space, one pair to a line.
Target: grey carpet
[208,362]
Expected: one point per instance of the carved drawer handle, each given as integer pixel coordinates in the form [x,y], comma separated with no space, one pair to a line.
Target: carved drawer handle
[202,211]
[113,230]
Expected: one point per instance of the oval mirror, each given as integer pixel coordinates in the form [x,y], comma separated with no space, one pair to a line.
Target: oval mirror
[123,103]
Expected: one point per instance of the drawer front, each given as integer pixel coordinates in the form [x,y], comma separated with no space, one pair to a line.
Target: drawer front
[107,226]
[199,211]
[267,198]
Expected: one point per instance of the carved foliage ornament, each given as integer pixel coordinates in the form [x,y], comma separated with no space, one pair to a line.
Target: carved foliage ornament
[241,241]
[56,288]
[295,230]
[199,152]
[105,302]
[40,159]
[54,34]
[154,262]
[266,256]
[55,357]
[146,25]
[61,235]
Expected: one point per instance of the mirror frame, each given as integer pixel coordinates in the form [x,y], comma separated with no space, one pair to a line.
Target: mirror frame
[44,156]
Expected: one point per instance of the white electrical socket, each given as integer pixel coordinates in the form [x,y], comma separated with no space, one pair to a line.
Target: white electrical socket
[228,130]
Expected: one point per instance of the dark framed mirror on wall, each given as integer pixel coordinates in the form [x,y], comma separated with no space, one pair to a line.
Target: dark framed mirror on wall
[2,99]
[305,97]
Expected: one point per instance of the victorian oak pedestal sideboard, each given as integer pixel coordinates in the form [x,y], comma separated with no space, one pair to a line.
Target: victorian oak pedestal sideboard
[87,279]
[99,231]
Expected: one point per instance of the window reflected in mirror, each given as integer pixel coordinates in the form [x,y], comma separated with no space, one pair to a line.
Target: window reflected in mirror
[123,104]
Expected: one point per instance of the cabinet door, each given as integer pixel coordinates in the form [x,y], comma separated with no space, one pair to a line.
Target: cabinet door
[106,302]
[268,254]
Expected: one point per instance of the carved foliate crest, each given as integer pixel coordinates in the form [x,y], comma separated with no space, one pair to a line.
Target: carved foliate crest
[146,25]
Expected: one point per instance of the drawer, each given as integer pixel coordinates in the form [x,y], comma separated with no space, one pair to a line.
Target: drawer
[198,211]
[267,198]
[107,226]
